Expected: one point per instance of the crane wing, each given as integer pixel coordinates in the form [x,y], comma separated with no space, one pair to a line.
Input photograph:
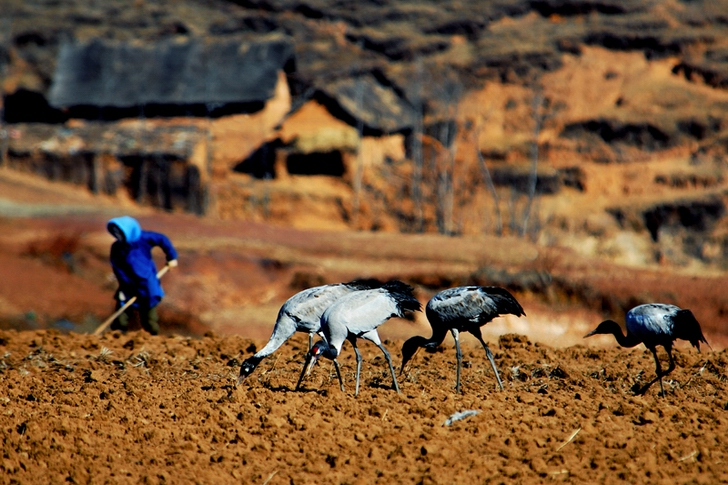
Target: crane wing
[652,322]
[306,307]
[357,313]
[477,304]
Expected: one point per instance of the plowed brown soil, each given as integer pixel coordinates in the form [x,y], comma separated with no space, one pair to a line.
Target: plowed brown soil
[140,409]
[134,408]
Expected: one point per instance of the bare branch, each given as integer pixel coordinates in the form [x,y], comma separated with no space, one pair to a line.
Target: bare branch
[537,102]
[491,187]
[359,173]
[417,157]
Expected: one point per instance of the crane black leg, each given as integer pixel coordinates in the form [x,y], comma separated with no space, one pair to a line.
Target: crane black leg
[658,370]
[338,374]
[358,365]
[303,371]
[671,367]
[391,366]
[459,355]
[488,354]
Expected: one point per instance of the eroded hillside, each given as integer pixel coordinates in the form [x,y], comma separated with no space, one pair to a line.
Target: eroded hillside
[595,125]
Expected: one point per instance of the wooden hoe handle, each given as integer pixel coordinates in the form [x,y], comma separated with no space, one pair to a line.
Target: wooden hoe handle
[100,329]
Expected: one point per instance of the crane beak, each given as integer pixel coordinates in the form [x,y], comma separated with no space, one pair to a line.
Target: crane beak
[593,332]
[247,368]
[405,362]
[311,363]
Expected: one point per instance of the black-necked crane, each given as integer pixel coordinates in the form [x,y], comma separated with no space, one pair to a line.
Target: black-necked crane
[356,316]
[463,309]
[302,313]
[655,324]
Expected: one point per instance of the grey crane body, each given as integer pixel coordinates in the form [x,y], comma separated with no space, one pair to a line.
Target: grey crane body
[357,316]
[463,309]
[654,324]
[302,313]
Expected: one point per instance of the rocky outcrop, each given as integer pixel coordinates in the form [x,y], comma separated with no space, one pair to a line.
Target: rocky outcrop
[666,132]
[693,215]
[696,214]
[642,135]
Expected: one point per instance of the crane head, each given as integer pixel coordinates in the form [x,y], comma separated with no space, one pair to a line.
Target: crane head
[247,368]
[410,348]
[607,327]
[316,351]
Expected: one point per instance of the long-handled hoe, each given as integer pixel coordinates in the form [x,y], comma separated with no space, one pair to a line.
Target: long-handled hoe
[100,329]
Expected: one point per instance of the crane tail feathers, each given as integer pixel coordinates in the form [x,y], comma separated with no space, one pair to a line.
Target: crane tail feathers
[403,295]
[364,284]
[505,301]
[688,328]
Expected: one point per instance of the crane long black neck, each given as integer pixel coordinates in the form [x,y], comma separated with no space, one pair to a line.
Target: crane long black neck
[410,347]
[623,340]
[438,335]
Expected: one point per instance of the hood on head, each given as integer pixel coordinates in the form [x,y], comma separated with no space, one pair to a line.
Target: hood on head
[128,225]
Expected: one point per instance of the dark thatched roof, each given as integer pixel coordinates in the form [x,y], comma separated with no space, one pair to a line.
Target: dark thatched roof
[185,71]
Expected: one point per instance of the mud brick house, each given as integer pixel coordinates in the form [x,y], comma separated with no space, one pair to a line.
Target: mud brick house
[324,132]
[173,121]
[139,115]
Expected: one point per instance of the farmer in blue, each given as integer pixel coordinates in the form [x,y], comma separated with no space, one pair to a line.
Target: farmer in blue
[131,260]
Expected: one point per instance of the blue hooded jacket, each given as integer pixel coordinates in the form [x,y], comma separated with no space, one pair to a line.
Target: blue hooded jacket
[132,261]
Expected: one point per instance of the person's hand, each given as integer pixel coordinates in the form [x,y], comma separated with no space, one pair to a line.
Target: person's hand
[172,263]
